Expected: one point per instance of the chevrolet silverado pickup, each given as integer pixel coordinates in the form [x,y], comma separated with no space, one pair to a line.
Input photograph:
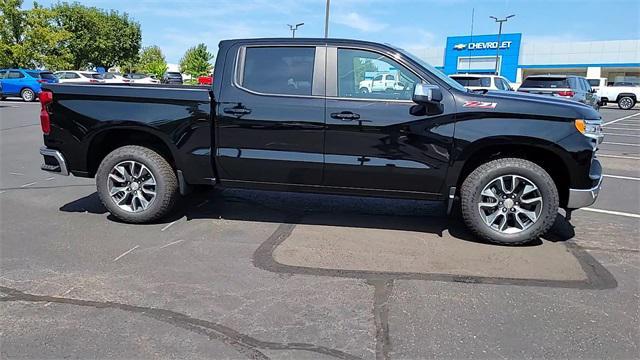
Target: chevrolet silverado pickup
[289,115]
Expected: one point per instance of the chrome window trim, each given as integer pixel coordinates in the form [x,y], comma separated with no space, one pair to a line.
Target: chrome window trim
[239,70]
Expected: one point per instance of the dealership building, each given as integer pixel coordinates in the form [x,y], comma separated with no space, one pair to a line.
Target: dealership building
[616,60]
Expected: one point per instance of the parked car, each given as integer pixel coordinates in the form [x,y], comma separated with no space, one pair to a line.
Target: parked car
[114,78]
[73,76]
[205,80]
[141,78]
[510,159]
[625,96]
[482,82]
[570,87]
[24,83]
[382,82]
[172,78]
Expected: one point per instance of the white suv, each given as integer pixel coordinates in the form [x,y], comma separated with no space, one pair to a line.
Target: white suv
[482,82]
[79,76]
[382,82]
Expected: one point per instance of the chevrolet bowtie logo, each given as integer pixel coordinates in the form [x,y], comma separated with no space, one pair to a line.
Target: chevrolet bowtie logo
[459,46]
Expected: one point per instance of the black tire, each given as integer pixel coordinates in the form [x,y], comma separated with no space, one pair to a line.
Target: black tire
[364,90]
[485,173]
[28,95]
[626,103]
[166,189]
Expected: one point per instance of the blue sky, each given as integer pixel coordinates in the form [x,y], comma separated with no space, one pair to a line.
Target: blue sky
[175,25]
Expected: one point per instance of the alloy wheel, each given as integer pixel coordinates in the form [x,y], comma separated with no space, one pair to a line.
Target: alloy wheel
[510,204]
[132,186]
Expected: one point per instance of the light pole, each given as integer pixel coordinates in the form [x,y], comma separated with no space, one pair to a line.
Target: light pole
[500,21]
[326,20]
[293,29]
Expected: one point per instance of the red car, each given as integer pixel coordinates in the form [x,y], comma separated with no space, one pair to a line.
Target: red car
[205,80]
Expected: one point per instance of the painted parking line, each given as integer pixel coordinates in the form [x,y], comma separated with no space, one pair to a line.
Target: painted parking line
[622,144]
[125,253]
[620,119]
[628,135]
[619,157]
[611,212]
[622,177]
[625,129]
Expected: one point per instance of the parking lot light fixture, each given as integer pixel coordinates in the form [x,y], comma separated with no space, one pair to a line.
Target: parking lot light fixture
[499,21]
[293,28]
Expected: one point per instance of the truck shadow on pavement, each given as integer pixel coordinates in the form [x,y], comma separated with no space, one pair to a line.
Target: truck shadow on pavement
[352,213]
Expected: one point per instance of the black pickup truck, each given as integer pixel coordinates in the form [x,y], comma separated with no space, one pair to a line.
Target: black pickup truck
[291,115]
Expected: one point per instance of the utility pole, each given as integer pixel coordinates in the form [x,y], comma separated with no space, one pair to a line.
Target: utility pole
[293,29]
[326,19]
[499,21]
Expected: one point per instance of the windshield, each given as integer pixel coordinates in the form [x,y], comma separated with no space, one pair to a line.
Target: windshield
[432,69]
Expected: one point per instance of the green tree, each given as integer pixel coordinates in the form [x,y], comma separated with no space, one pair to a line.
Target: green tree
[197,61]
[99,38]
[152,61]
[29,38]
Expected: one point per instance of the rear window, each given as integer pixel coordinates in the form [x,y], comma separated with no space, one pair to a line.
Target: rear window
[473,81]
[33,74]
[174,74]
[47,75]
[279,70]
[545,82]
[594,82]
[92,75]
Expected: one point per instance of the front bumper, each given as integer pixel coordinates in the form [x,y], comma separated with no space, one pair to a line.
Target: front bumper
[579,198]
[54,161]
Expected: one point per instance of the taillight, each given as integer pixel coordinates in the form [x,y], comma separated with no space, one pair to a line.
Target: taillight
[41,81]
[93,80]
[565,93]
[46,98]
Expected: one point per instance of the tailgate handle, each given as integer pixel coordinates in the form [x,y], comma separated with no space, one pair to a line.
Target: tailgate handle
[237,111]
[345,116]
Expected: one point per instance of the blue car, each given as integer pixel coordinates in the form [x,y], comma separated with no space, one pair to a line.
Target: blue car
[24,83]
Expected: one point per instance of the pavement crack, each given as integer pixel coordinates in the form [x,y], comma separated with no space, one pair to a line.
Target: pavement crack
[381,296]
[244,344]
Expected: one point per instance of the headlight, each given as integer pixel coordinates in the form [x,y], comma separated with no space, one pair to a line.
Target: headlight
[590,128]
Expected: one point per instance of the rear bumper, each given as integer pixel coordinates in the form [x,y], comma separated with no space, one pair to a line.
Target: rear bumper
[54,161]
[579,198]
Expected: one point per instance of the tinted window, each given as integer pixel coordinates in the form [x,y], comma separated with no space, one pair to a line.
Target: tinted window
[47,75]
[33,74]
[574,84]
[594,82]
[585,84]
[173,75]
[279,70]
[14,75]
[71,75]
[545,82]
[137,76]
[3,74]
[357,67]
[498,83]
[473,81]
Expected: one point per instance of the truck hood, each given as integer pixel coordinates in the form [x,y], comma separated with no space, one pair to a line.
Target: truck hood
[525,105]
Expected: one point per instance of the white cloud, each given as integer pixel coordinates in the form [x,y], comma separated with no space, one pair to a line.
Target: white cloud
[358,22]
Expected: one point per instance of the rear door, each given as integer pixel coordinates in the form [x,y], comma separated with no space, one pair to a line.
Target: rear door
[374,143]
[13,82]
[270,115]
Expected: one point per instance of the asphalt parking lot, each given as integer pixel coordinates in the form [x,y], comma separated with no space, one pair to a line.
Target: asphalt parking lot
[242,274]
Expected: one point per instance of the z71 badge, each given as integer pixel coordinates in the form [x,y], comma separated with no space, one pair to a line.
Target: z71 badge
[480,104]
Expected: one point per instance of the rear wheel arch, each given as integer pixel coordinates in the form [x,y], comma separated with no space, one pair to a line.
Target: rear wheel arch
[631,95]
[104,142]
[541,156]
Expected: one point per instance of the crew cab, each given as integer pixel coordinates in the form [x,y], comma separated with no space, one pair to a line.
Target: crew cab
[508,160]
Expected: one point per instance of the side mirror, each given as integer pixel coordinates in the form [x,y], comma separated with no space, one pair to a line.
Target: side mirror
[426,93]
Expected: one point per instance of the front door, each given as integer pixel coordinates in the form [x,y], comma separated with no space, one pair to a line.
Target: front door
[373,140]
[13,82]
[270,116]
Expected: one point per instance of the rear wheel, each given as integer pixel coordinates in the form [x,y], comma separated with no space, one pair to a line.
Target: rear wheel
[136,184]
[626,102]
[27,95]
[509,201]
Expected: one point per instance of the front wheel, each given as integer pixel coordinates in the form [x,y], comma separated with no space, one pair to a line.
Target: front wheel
[626,103]
[364,90]
[509,201]
[27,95]
[136,184]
